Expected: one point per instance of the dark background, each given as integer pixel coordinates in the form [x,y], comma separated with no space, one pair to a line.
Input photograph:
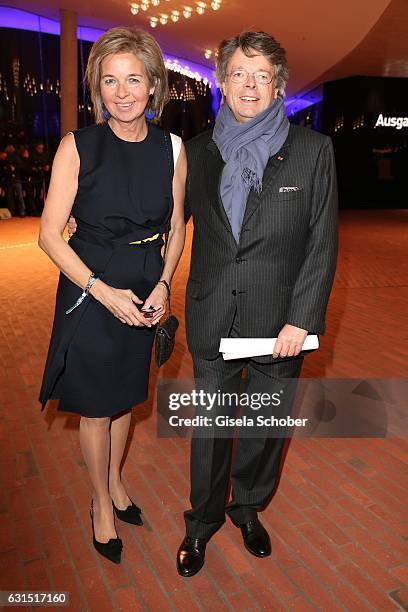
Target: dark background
[371,162]
[29,59]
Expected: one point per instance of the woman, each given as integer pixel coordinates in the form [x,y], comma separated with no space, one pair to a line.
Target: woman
[116,177]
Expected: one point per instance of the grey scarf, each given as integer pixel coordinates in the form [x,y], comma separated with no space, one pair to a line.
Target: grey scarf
[245,149]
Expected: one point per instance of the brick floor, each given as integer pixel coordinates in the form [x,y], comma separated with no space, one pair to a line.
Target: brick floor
[336,521]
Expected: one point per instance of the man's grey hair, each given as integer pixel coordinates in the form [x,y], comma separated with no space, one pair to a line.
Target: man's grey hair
[260,42]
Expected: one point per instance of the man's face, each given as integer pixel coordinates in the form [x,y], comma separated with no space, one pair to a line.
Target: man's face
[249,98]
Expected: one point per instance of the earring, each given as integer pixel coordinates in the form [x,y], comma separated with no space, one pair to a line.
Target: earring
[105,112]
[150,112]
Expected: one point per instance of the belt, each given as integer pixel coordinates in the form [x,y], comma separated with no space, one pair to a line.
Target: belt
[108,240]
[150,239]
[84,294]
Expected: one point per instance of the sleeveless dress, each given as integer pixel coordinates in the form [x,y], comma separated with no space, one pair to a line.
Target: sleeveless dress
[96,365]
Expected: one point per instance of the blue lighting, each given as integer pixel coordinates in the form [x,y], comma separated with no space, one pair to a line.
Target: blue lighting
[297,103]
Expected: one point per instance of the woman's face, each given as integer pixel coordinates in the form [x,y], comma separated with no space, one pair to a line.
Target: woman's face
[125,88]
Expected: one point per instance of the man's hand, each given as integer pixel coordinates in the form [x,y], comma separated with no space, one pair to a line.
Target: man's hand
[72,226]
[290,341]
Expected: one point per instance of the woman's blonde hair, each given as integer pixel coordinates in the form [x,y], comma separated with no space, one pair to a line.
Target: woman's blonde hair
[145,48]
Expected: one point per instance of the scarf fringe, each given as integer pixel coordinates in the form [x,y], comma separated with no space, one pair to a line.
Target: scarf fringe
[251,179]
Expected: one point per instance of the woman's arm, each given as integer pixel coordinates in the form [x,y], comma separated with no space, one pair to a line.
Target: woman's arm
[176,238]
[60,198]
[58,205]
[177,232]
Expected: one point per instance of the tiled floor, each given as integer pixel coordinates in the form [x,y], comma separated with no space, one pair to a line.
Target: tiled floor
[336,521]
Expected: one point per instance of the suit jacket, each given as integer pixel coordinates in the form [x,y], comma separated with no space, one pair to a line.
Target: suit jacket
[282,270]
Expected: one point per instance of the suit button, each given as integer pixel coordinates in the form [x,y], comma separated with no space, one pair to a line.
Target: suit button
[238,259]
[234,292]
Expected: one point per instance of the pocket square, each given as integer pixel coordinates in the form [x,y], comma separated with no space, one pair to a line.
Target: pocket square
[289,189]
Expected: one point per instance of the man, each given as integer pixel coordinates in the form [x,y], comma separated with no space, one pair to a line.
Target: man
[263,199]
[13,186]
[40,168]
[27,181]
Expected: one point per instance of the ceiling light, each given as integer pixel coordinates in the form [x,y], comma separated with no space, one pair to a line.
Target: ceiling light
[187,12]
[175,16]
[153,22]
[134,9]
[207,53]
[215,5]
[155,2]
[145,5]
[200,7]
[164,19]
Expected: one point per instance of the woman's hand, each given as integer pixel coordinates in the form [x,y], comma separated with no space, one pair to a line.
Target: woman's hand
[158,299]
[121,303]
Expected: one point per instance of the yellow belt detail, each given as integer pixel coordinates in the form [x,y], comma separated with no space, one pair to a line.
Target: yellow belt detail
[145,239]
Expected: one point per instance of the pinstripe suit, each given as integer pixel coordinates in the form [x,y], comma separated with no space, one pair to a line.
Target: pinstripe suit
[281,272]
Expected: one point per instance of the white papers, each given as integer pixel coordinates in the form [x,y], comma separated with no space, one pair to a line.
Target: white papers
[237,348]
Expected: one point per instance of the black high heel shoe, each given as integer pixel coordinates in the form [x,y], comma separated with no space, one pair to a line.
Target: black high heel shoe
[111,550]
[130,515]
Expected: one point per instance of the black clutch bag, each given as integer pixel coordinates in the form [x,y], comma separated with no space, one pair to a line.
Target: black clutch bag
[166,331]
[165,338]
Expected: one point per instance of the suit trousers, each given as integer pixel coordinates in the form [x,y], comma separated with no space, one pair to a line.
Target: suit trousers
[253,468]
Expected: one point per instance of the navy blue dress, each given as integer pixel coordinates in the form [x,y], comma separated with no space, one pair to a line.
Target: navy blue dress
[96,365]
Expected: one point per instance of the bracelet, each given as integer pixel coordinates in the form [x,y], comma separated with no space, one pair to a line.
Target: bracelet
[166,284]
[91,280]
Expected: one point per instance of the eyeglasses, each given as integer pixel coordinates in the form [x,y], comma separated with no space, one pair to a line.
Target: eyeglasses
[240,76]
